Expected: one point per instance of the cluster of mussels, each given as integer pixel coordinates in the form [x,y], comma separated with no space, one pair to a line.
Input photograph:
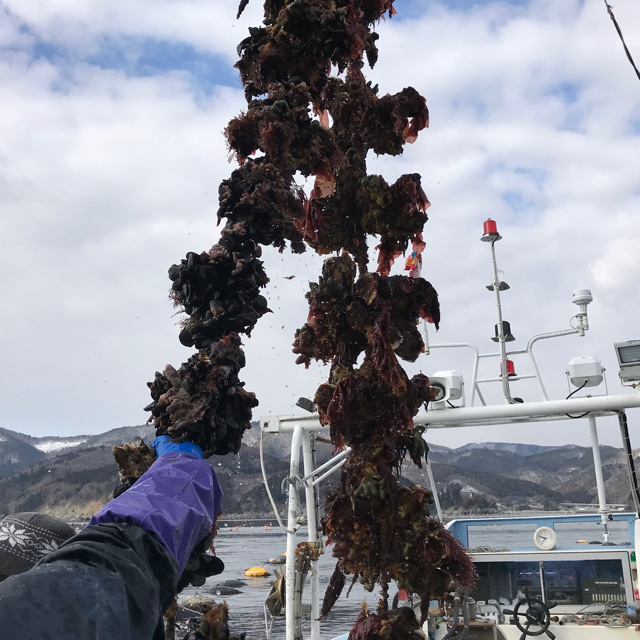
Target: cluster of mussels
[311,111]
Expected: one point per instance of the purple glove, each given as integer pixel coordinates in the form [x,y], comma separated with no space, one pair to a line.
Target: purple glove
[177,500]
[164,444]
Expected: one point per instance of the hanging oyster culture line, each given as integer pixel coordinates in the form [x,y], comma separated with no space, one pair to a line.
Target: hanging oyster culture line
[310,111]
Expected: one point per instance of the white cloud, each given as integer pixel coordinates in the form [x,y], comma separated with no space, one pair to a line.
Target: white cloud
[78,25]
[103,186]
[619,267]
[103,177]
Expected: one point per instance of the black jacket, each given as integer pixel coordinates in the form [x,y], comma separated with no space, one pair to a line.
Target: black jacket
[109,582]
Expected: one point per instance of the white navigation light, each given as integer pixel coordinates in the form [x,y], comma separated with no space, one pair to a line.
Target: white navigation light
[585,371]
[629,360]
[449,385]
[502,285]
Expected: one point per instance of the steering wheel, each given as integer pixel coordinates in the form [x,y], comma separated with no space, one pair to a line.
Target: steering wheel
[537,613]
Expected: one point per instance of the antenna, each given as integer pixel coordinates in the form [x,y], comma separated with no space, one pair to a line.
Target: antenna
[582,297]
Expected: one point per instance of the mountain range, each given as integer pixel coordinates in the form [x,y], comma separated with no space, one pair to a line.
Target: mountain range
[72,477]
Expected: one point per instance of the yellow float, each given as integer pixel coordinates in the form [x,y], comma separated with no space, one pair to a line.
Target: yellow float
[256,572]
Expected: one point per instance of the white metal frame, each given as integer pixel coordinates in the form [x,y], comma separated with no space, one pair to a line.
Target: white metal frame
[302,442]
[481,416]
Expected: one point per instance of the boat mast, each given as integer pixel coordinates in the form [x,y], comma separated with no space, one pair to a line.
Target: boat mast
[492,236]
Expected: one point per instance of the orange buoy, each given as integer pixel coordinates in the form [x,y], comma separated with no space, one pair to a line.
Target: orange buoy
[256,572]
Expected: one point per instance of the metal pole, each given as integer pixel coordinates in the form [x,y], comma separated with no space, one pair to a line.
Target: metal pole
[526,411]
[311,494]
[331,471]
[631,467]
[504,373]
[529,350]
[474,378]
[597,463]
[293,625]
[434,490]
[328,463]
[535,366]
[478,416]
[425,337]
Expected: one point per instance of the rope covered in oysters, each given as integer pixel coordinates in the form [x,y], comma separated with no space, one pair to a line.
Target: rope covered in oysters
[311,111]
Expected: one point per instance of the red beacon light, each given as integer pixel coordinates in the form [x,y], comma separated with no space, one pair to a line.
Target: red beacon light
[490,231]
[511,369]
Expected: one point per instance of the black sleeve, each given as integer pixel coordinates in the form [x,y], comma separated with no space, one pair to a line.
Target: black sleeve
[111,582]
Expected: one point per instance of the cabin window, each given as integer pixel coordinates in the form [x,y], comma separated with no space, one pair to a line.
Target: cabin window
[571,582]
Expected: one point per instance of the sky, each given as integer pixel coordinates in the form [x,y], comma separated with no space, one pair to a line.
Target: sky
[111,152]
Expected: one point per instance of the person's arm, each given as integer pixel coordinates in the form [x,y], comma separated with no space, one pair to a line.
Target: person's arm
[176,500]
[116,578]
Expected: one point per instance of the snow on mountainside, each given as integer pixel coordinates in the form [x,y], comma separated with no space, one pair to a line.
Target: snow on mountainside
[120,435]
[512,447]
[55,445]
[438,448]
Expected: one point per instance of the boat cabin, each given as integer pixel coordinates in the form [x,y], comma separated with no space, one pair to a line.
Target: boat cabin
[561,561]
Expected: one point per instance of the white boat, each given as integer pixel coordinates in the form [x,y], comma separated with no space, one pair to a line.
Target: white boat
[551,586]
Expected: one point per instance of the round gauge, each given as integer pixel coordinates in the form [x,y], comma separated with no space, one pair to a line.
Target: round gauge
[545,538]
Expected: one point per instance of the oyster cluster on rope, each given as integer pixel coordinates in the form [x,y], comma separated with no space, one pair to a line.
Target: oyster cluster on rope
[310,111]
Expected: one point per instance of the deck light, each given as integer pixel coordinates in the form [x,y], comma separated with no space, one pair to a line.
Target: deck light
[629,360]
[306,404]
[449,386]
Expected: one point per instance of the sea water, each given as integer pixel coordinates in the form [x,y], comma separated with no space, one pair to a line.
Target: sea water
[253,546]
